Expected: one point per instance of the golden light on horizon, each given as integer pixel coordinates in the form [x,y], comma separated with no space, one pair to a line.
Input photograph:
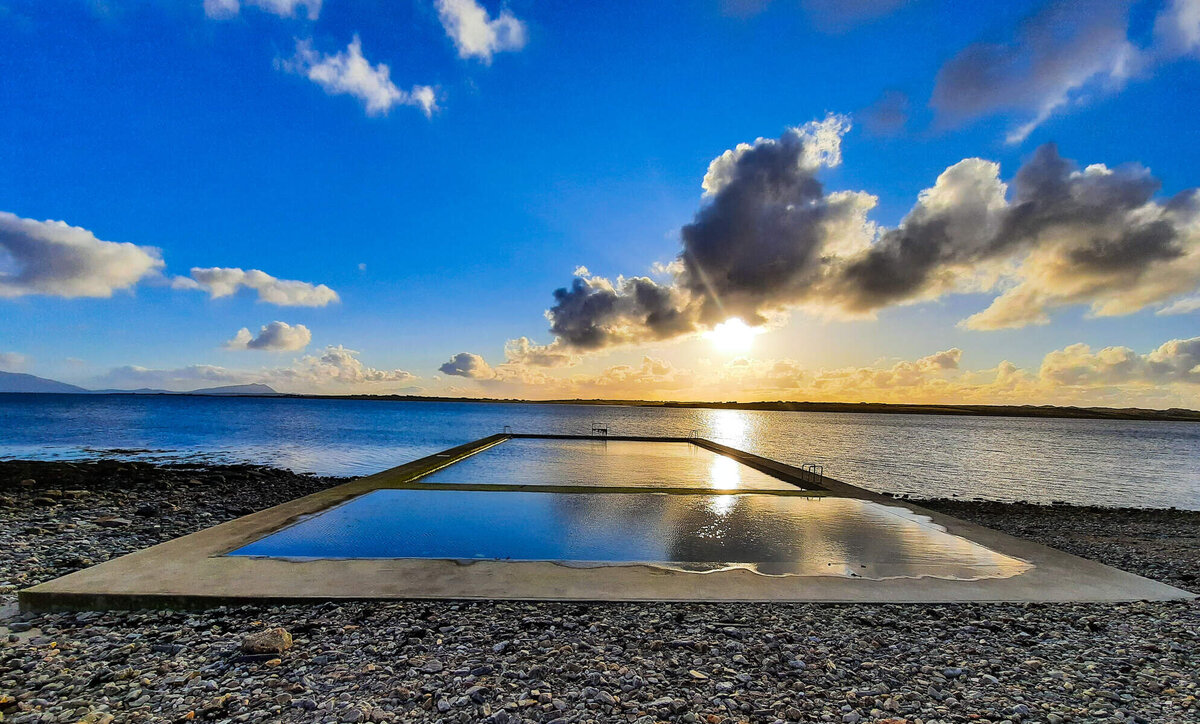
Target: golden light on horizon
[733,336]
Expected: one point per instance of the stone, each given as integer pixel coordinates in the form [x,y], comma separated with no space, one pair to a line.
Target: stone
[112,522]
[271,641]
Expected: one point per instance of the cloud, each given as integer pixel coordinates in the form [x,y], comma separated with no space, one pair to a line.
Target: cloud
[13,362]
[522,351]
[888,115]
[475,34]
[835,16]
[225,9]
[335,370]
[829,16]
[178,379]
[760,241]
[1176,361]
[1177,28]
[54,259]
[273,337]
[594,313]
[1166,376]
[339,366]
[1094,236]
[1183,305]
[471,366]
[349,73]
[1065,54]
[226,281]
[769,238]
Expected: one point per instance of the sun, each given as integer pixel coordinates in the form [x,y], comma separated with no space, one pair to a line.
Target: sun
[732,336]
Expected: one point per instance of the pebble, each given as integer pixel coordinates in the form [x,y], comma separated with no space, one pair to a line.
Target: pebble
[519,662]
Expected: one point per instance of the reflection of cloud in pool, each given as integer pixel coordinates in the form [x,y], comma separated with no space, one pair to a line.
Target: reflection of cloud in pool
[783,535]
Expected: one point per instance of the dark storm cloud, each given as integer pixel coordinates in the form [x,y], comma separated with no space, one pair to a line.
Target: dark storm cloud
[1098,220]
[769,237]
[760,233]
[593,313]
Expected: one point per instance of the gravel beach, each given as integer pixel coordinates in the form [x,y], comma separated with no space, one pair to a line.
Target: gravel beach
[542,662]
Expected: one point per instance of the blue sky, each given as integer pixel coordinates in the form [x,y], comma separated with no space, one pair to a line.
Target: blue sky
[511,143]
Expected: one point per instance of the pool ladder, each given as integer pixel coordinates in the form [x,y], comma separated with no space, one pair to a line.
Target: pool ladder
[812,472]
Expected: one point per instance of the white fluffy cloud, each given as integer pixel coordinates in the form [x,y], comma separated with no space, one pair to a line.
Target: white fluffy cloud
[349,73]
[225,9]
[225,281]
[273,337]
[523,351]
[475,33]
[335,370]
[55,259]
[1176,361]
[1165,377]
[338,366]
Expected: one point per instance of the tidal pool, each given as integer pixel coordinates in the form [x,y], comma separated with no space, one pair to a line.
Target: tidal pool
[612,463]
[701,532]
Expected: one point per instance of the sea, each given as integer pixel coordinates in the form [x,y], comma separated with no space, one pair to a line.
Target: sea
[1118,463]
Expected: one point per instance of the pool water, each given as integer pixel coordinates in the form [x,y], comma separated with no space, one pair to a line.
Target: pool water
[770,534]
[618,463]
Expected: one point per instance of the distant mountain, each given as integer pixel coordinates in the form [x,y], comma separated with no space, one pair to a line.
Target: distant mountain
[21,382]
[252,389]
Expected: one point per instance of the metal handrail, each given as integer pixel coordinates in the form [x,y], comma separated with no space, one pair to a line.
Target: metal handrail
[813,472]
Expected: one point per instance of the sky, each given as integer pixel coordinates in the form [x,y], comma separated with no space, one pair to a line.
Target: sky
[881,201]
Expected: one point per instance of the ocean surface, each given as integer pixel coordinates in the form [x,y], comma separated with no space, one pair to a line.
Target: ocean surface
[1092,462]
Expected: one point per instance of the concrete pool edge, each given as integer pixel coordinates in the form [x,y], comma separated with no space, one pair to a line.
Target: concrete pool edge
[193,572]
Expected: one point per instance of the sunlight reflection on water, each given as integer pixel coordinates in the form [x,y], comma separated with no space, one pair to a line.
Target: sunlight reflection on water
[1097,462]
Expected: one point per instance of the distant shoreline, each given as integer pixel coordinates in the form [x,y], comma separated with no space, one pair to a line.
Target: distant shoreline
[881,408]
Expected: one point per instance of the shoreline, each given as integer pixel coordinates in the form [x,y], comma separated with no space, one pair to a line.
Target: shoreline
[1054,412]
[508,662]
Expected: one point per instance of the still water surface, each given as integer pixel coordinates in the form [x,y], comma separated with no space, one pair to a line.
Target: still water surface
[770,534]
[1098,462]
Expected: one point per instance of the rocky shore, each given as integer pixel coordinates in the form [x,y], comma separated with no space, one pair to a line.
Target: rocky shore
[516,662]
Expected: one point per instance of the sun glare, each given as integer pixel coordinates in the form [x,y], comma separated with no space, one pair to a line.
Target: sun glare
[733,336]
